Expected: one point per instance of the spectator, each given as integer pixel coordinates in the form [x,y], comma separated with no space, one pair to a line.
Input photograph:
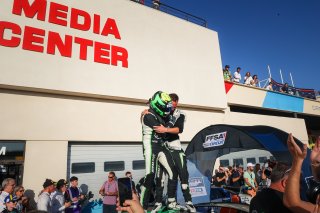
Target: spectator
[59,204]
[229,171]
[44,200]
[269,87]
[214,177]
[8,185]
[285,88]
[22,201]
[74,195]
[226,73]
[257,173]
[236,178]
[292,191]
[10,202]
[156,4]
[221,177]
[247,79]
[254,82]
[109,190]
[129,175]
[237,75]
[270,199]
[250,181]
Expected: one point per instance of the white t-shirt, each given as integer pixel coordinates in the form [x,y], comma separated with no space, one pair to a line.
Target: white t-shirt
[247,80]
[236,77]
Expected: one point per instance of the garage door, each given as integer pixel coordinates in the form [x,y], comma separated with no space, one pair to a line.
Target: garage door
[90,162]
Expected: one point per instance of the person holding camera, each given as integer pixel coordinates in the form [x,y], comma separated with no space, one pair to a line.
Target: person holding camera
[236,178]
[292,191]
[221,177]
[58,202]
[269,199]
[74,195]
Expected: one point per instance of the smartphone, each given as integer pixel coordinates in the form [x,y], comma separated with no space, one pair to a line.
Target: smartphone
[125,189]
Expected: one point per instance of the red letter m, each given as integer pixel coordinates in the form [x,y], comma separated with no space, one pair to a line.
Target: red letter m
[38,7]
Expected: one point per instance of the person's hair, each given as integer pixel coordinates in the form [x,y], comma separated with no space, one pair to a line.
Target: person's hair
[17,188]
[279,171]
[73,178]
[254,76]
[112,173]
[6,181]
[128,172]
[174,97]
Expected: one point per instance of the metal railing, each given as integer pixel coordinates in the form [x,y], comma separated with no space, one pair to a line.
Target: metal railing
[156,4]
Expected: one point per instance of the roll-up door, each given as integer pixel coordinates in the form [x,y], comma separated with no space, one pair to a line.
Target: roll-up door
[91,162]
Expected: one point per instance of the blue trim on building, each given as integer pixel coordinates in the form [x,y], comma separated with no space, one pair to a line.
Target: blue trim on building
[285,102]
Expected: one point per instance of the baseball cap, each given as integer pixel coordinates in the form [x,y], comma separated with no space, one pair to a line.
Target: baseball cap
[227,66]
[48,182]
[10,198]
[250,165]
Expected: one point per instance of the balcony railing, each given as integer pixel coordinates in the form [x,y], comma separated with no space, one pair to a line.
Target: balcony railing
[156,4]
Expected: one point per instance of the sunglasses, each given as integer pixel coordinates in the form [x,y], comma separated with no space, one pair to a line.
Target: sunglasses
[21,190]
[110,176]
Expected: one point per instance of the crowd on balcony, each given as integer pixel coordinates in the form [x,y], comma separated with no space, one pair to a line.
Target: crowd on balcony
[253,81]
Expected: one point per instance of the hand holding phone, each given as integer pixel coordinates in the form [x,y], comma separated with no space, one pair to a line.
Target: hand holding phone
[131,206]
[124,189]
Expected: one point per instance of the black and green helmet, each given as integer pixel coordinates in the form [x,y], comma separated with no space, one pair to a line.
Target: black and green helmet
[161,103]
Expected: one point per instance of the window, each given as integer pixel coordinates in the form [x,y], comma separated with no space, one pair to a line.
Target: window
[85,167]
[251,160]
[262,159]
[138,164]
[113,166]
[224,163]
[238,161]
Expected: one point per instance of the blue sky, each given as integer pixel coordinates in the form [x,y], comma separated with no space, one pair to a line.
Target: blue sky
[284,34]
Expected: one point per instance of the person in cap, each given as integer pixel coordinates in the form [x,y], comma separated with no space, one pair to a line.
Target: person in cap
[237,75]
[8,185]
[44,199]
[10,202]
[74,194]
[154,150]
[250,182]
[59,204]
[226,73]
[270,199]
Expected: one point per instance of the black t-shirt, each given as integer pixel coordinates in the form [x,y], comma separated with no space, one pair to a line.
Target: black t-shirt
[268,200]
[180,124]
[239,182]
[220,175]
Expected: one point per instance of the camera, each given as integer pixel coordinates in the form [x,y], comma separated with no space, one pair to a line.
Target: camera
[86,197]
[313,190]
